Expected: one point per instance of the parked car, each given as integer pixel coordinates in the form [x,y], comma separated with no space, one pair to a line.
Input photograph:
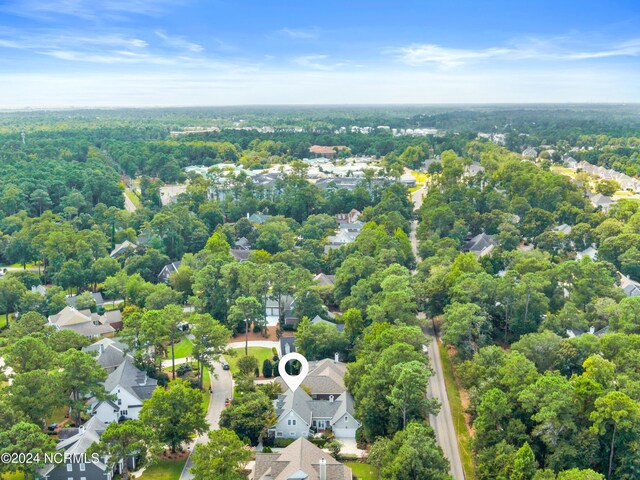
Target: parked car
[425,349]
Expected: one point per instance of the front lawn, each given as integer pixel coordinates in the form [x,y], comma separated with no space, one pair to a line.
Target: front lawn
[183,349]
[261,353]
[164,470]
[362,471]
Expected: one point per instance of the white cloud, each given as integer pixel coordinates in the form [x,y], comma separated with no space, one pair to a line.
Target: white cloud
[86,9]
[532,49]
[179,42]
[300,34]
[318,62]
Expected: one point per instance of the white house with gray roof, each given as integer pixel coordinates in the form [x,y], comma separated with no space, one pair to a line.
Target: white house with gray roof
[329,405]
[129,386]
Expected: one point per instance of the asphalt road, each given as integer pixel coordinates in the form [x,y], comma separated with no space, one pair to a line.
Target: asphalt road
[442,423]
[222,389]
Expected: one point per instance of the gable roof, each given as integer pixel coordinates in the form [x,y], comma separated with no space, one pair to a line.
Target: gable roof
[479,243]
[169,269]
[110,353]
[132,379]
[86,323]
[299,461]
[240,254]
[630,287]
[324,280]
[121,248]
[287,341]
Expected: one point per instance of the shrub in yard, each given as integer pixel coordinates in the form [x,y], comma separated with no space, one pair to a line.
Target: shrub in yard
[267,368]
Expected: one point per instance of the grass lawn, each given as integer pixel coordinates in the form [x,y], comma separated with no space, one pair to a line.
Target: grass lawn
[182,349]
[563,171]
[361,471]
[206,383]
[261,353]
[419,176]
[457,412]
[57,416]
[134,198]
[164,470]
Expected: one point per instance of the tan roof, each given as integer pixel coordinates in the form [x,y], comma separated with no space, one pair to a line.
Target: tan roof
[70,316]
[323,150]
[300,460]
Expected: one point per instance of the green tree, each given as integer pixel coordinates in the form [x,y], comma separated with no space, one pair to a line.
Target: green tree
[121,441]
[175,414]
[29,442]
[36,394]
[85,301]
[466,327]
[249,415]
[247,310]
[81,377]
[11,290]
[615,416]
[408,394]
[29,353]
[319,341]
[223,457]
[413,454]
[247,365]
[524,464]
[209,341]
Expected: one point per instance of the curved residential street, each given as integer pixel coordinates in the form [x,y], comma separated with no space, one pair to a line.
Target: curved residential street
[222,388]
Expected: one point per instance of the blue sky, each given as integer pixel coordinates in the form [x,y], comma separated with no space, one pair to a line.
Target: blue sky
[65,53]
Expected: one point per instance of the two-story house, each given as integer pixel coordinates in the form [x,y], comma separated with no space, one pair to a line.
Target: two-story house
[129,387]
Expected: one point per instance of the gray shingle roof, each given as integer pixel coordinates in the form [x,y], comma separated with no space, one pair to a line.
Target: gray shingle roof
[131,378]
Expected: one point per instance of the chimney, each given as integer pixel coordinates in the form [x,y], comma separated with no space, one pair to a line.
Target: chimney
[323,469]
[336,357]
[247,215]
[592,330]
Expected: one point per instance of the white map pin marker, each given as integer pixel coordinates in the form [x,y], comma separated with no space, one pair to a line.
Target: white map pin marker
[293,381]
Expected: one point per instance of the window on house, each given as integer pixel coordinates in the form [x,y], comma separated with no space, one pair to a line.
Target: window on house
[346,419]
[124,413]
[279,434]
[119,401]
[293,434]
[82,467]
[291,422]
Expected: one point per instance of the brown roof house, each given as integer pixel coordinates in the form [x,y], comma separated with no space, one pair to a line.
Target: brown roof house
[85,323]
[301,460]
[326,151]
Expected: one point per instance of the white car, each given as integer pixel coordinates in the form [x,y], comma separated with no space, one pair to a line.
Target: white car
[425,349]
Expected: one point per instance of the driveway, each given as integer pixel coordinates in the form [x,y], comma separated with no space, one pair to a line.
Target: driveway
[222,389]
